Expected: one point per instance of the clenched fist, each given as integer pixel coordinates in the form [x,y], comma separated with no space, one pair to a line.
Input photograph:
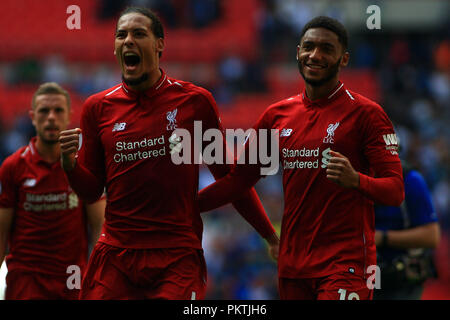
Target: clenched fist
[340,171]
[70,142]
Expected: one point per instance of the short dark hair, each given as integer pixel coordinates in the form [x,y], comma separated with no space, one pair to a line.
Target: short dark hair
[156,25]
[330,24]
[50,88]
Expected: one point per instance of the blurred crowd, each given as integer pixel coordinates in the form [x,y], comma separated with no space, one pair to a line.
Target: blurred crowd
[412,70]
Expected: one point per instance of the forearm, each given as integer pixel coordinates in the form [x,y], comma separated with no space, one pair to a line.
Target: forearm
[251,209]
[426,236]
[227,189]
[85,184]
[387,188]
[95,217]
[3,242]
[237,188]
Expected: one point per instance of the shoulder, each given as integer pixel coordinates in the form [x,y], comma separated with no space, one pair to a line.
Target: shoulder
[97,98]
[190,89]
[363,103]
[282,107]
[414,179]
[196,97]
[19,157]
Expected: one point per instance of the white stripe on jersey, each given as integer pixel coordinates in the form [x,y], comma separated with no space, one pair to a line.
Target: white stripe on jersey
[165,77]
[349,95]
[113,91]
[329,97]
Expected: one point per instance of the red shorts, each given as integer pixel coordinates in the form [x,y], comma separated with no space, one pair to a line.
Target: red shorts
[171,273]
[26,285]
[339,286]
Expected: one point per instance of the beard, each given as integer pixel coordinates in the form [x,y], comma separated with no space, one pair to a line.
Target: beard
[332,72]
[48,141]
[136,82]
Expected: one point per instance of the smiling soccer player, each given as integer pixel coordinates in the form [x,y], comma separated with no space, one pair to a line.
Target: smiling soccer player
[337,161]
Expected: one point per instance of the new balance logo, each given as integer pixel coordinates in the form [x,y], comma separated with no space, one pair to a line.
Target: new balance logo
[285,132]
[390,139]
[29,183]
[119,126]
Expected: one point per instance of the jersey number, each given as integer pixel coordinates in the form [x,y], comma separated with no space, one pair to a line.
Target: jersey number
[351,295]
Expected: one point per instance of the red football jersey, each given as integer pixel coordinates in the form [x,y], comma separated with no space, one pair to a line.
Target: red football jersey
[151,202]
[49,231]
[327,228]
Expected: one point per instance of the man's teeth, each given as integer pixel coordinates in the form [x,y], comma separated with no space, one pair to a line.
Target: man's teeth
[315,66]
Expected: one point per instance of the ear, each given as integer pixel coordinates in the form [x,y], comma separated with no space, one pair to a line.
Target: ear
[32,116]
[345,59]
[160,44]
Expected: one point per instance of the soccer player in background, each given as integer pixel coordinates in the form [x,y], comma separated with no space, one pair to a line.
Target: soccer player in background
[41,217]
[339,154]
[150,246]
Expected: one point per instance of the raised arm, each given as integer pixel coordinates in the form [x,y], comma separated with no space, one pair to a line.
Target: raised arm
[84,164]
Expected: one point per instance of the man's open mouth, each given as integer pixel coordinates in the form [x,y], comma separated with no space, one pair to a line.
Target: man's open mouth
[131,59]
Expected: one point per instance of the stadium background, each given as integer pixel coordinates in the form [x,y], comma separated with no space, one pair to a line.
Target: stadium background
[243,51]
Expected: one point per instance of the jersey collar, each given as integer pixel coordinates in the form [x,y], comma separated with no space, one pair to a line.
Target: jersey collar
[35,156]
[333,96]
[162,81]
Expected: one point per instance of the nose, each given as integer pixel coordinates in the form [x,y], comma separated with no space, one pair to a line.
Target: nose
[51,115]
[315,53]
[129,41]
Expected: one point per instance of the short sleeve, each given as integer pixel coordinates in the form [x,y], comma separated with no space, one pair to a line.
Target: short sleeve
[418,200]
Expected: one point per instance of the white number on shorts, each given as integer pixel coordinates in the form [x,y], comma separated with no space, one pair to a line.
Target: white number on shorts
[351,296]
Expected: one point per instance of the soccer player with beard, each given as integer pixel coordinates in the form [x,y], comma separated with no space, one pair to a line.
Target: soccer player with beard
[339,154]
[41,217]
[150,246]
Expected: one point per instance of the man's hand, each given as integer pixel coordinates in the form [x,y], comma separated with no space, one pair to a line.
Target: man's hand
[69,142]
[274,245]
[340,171]
[378,237]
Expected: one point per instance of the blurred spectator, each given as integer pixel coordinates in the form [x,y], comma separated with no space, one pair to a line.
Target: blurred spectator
[404,236]
[28,70]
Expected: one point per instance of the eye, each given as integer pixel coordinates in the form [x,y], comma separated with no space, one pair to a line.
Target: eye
[43,111]
[120,35]
[328,49]
[139,34]
[307,46]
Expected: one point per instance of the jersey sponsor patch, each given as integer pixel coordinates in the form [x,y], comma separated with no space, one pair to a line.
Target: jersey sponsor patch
[391,141]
